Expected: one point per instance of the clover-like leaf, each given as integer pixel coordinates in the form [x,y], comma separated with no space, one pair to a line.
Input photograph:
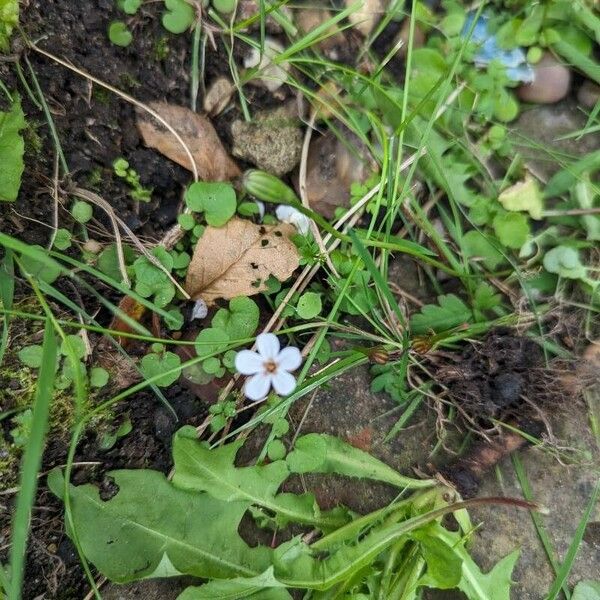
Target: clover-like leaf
[309,305]
[119,35]
[512,229]
[152,281]
[240,321]
[179,16]
[155,364]
[216,200]
[564,261]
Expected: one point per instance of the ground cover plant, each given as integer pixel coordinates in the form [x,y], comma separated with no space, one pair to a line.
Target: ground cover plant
[253,252]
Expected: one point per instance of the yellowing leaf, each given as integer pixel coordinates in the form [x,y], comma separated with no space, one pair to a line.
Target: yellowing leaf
[237,259]
[523,196]
[212,161]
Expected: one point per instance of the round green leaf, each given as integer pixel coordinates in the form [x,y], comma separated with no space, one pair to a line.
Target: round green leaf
[309,305]
[276,450]
[179,16]
[36,264]
[31,356]
[240,321]
[216,200]
[155,364]
[476,245]
[98,377]
[512,229]
[62,239]
[82,212]
[74,344]
[186,221]
[119,35]
[210,341]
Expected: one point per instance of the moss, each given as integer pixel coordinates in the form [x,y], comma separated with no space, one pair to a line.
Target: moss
[161,48]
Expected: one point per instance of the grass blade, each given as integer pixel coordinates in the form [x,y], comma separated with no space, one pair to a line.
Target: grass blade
[7,290]
[567,564]
[32,461]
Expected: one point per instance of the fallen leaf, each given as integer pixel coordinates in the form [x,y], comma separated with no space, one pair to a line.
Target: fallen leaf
[134,310]
[237,259]
[211,158]
[523,196]
[365,18]
[218,95]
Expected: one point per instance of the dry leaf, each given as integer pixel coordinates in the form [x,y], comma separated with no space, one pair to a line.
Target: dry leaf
[367,16]
[211,158]
[237,259]
[218,95]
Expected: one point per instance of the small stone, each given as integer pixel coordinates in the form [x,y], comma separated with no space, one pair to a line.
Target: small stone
[217,96]
[588,94]
[272,142]
[269,74]
[310,17]
[404,33]
[332,168]
[365,18]
[551,84]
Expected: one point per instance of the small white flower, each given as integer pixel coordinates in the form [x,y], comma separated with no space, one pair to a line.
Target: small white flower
[291,215]
[270,366]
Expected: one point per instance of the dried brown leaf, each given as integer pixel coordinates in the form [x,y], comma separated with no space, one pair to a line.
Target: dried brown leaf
[237,259]
[211,158]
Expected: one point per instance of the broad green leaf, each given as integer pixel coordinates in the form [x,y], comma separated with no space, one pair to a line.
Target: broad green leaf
[477,245]
[564,261]
[450,312]
[12,148]
[216,200]
[199,468]
[511,229]
[152,528]
[443,563]
[586,590]
[211,340]
[119,35]
[155,364]
[309,305]
[179,16]
[523,196]
[31,356]
[33,263]
[261,587]
[476,585]
[322,453]
[75,344]
[9,18]
[240,321]
[129,6]
[152,281]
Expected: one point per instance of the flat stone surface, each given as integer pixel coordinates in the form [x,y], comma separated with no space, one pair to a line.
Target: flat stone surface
[539,128]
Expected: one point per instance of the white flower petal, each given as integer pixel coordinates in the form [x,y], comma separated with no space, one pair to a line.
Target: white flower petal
[301,223]
[283,382]
[268,346]
[257,386]
[248,362]
[289,359]
[284,212]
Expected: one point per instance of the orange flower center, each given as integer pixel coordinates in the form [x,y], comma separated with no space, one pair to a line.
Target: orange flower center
[270,366]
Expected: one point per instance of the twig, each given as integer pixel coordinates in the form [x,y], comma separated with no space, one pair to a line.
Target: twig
[304,194]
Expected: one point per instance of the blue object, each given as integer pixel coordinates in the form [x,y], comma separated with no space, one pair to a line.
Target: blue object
[515,60]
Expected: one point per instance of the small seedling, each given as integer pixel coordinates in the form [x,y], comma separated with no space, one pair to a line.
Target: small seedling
[124,171]
[179,16]
[119,35]
[82,212]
